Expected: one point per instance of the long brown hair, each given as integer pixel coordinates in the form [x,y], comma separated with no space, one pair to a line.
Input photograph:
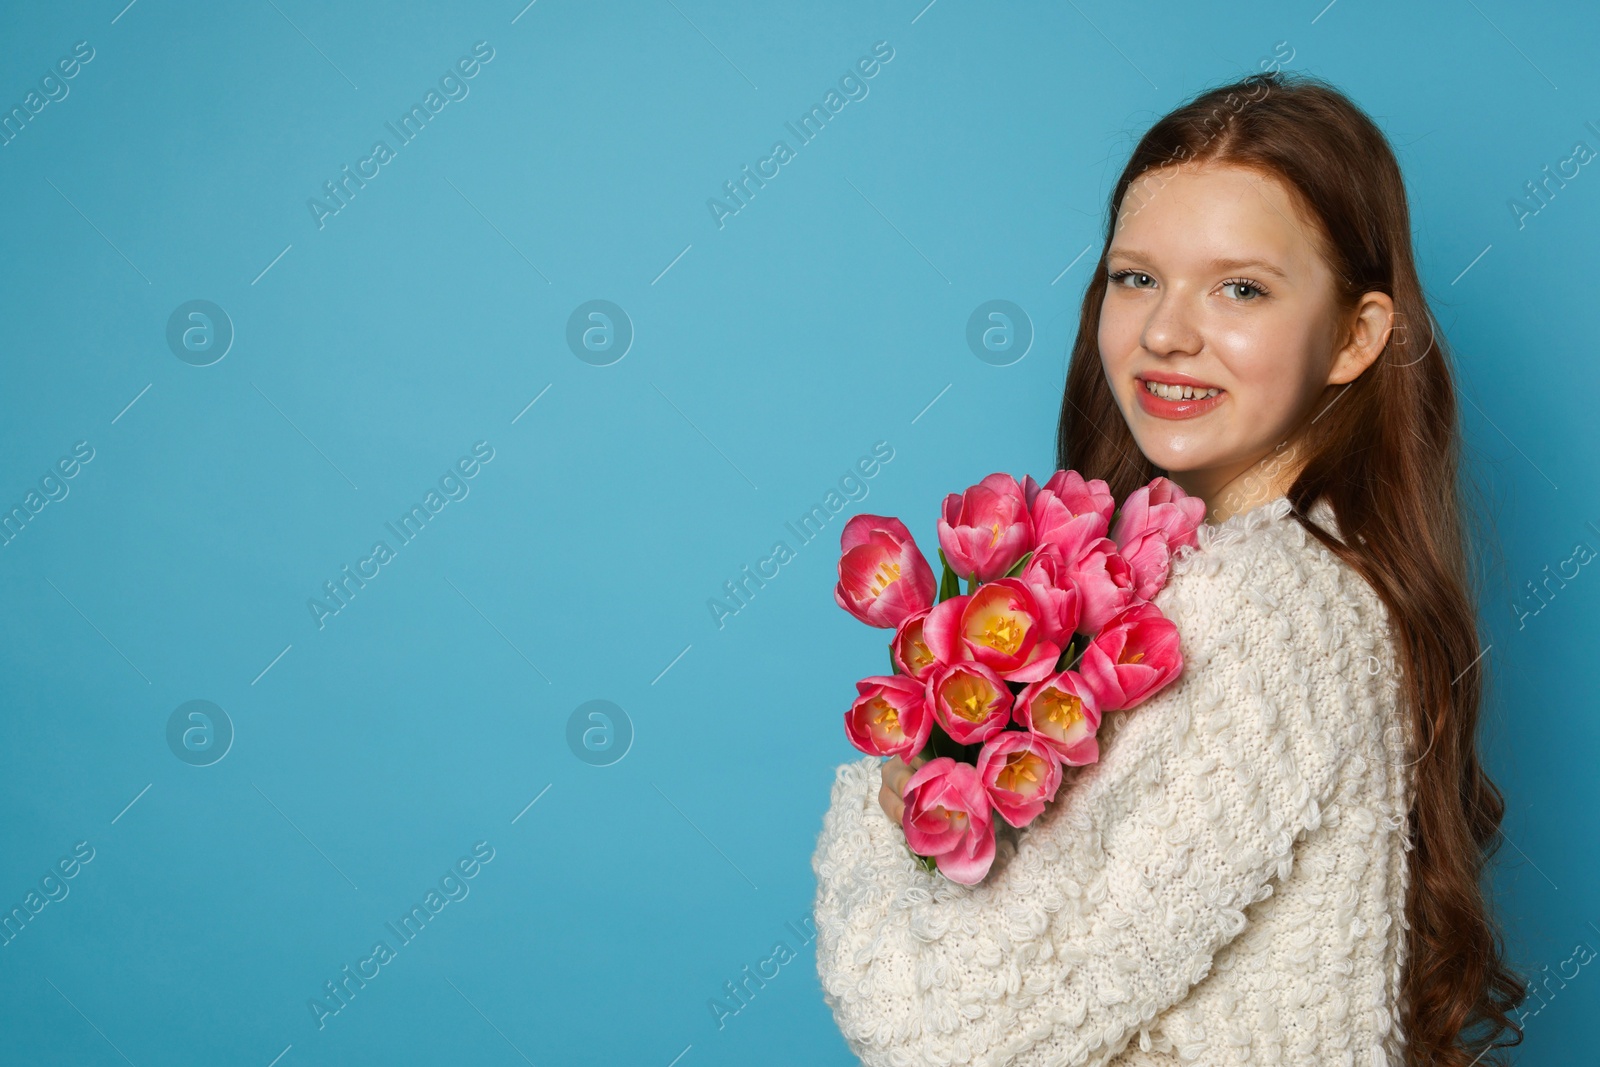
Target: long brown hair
[1384,451]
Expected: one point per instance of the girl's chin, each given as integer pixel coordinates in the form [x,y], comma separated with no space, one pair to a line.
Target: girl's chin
[1181,453]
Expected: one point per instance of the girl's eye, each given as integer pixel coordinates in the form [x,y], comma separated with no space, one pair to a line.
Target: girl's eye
[1255,290]
[1117,276]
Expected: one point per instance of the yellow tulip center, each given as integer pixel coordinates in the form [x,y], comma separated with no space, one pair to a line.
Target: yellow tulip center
[887,574]
[1062,711]
[969,697]
[1019,773]
[1135,658]
[884,715]
[1002,632]
[918,654]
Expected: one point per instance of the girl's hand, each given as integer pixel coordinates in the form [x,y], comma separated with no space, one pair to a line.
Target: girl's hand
[896,772]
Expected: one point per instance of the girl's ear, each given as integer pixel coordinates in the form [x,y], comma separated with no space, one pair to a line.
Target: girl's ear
[1375,318]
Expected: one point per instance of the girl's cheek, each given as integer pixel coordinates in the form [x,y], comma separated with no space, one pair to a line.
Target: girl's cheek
[1116,341]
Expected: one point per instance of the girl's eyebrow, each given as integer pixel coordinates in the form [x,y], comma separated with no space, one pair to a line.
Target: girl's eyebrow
[1217,264]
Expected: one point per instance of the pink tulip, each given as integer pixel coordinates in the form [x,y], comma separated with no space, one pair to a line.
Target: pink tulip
[1104,582]
[910,650]
[883,577]
[985,530]
[1136,654]
[890,717]
[1064,712]
[1021,771]
[947,816]
[1001,626]
[971,701]
[1154,521]
[1050,580]
[1068,511]
[941,629]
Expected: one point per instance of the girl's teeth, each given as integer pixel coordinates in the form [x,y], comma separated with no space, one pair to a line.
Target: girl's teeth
[1178,392]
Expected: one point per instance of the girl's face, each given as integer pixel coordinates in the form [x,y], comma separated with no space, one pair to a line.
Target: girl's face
[1216,284]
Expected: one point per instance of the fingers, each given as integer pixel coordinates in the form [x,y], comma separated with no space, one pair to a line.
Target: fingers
[893,774]
[892,805]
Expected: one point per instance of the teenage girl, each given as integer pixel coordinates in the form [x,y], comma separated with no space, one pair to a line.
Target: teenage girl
[1276,858]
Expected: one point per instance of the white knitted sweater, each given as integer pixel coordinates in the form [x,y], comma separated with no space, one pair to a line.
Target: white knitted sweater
[1225,886]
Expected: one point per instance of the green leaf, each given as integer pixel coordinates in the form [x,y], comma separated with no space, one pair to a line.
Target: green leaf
[1016,571]
[942,744]
[949,584]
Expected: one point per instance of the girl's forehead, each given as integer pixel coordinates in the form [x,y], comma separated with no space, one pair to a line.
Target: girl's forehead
[1222,189]
[1210,212]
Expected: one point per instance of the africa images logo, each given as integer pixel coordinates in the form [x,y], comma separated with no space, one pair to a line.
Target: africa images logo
[453,485]
[852,84]
[452,87]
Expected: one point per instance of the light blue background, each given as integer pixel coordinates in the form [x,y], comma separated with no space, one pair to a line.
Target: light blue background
[824,317]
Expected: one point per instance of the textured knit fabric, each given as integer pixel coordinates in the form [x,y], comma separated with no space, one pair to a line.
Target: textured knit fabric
[1225,886]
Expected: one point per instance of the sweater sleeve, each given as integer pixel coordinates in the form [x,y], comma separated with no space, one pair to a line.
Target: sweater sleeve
[1111,905]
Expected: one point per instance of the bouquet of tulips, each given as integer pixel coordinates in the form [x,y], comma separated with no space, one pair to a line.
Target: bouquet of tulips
[1002,686]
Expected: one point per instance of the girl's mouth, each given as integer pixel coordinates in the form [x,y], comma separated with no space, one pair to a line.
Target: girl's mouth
[1175,405]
